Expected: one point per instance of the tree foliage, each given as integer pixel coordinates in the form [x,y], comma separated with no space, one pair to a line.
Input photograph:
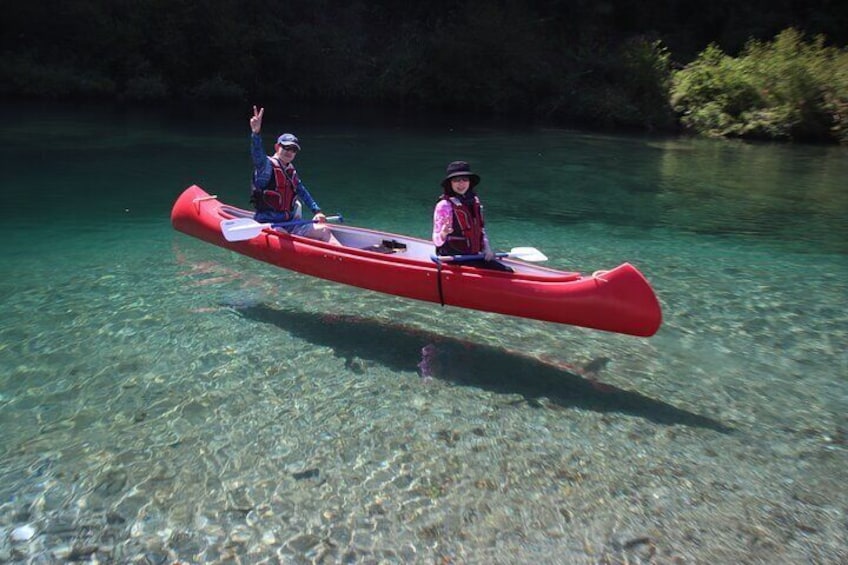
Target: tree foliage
[783,89]
[607,64]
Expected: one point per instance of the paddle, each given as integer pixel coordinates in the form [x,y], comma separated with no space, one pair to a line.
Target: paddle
[530,254]
[241,229]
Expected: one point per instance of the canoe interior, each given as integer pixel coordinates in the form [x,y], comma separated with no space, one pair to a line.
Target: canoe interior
[401,246]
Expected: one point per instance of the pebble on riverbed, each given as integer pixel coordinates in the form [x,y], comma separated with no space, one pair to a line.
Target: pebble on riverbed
[23,533]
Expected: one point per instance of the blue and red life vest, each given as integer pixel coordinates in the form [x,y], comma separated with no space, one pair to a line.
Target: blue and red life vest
[467,234]
[282,197]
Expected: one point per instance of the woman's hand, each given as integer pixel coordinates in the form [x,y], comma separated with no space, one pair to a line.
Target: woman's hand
[256,120]
[488,254]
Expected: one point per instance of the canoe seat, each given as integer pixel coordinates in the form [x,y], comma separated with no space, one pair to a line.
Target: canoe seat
[387,246]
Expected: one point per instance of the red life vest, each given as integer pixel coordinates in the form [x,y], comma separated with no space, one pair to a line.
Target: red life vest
[467,234]
[283,196]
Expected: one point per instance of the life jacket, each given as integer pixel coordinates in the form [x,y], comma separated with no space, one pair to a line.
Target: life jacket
[282,197]
[467,234]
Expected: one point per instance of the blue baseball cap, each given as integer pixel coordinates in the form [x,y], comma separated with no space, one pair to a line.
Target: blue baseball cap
[288,139]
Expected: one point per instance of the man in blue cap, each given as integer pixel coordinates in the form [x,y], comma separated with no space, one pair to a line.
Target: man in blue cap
[276,186]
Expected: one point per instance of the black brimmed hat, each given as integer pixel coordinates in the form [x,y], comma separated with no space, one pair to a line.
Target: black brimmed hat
[460,169]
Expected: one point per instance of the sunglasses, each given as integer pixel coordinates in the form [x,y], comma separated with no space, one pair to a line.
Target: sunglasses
[291,148]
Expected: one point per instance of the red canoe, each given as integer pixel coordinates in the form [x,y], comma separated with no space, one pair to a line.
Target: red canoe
[618,300]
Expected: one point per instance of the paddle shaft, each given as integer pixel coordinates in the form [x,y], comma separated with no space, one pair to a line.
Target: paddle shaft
[459,258]
[530,254]
[242,229]
[289,224]
[302,222]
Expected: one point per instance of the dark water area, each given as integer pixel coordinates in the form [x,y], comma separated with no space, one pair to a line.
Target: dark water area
[165,399]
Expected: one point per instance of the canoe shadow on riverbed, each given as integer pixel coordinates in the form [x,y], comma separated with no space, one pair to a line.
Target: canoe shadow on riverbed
[361,341]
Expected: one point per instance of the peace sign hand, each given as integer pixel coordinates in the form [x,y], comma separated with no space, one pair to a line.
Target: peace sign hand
[256,120]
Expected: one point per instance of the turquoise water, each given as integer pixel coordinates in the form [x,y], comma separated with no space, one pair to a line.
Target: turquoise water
[162,399]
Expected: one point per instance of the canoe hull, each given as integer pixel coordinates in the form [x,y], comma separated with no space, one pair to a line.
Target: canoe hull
[619,300]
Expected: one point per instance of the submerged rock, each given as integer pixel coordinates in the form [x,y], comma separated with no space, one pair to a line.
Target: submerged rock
[306,474]
[23,533]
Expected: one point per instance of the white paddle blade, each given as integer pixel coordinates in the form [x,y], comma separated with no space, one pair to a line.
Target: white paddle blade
[241,229]
[530,254]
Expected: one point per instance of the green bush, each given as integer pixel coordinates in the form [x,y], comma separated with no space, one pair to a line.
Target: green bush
[613,86]
[25,76]
[146,88]
[646,73]
[784,89]
[217,89]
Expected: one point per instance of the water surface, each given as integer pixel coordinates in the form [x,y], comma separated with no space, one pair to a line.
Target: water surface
[167,399]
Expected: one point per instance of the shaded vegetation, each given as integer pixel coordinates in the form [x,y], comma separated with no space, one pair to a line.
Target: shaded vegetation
[602,64]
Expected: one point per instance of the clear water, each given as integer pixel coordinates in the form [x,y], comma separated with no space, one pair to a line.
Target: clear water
[164,399]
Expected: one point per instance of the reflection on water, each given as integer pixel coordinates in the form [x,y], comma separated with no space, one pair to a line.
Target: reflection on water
[787,194]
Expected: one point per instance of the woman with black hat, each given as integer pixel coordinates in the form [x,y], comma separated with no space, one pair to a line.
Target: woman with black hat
[458,226]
